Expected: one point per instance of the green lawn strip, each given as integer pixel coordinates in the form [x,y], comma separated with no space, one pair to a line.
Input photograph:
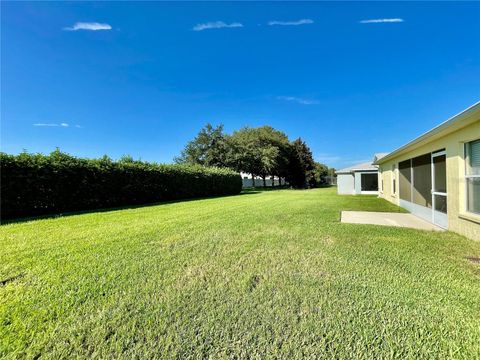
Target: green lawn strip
[267,274]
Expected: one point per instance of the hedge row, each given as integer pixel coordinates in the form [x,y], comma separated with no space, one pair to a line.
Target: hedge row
[36,184]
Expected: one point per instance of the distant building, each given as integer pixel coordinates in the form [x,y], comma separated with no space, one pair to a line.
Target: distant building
[247,181]
[360,178]
[331,180]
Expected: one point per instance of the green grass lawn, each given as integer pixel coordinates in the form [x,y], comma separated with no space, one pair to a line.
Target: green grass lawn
[263,274]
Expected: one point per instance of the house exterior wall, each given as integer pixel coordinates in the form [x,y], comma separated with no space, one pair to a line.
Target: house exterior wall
[358,183]
[345,184]
[459,220]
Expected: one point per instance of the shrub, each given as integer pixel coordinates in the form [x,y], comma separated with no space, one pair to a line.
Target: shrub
[36,184]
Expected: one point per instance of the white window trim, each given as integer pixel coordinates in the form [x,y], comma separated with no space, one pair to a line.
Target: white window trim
[468,214]
[380,182]
[394,180]
[437,193]
[366,192]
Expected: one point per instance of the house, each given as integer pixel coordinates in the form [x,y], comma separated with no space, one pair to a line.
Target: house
[359,179]
[269,181]
[437,175]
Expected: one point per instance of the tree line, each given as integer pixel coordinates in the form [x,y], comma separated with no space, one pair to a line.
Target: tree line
[262,151]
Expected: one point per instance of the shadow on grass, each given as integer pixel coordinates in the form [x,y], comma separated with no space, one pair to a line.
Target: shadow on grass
[115,208]
[259,189]
[245,191]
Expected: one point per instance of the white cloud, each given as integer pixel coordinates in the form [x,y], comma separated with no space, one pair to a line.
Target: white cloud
[92,26]
[298,100]
[376,21]
[216,25]
[55,125]
[291,23]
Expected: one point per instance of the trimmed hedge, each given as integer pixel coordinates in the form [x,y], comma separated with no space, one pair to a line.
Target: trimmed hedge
[36,184]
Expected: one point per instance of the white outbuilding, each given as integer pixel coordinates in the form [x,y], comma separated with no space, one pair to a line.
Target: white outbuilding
[359,179]
[269,181]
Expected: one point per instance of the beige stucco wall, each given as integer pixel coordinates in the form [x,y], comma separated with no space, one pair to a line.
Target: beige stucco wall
[459,220]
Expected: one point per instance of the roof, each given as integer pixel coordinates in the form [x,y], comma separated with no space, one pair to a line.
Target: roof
[378,156]
[464,118]
[366,166]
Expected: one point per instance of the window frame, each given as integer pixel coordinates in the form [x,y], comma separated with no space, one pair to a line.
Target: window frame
[394,180]
[467,176]
[361,184]
[380,185]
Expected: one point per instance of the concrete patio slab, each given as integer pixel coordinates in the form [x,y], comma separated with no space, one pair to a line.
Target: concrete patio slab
[387,219]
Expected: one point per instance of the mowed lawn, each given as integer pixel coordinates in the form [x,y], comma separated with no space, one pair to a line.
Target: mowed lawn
[262,274]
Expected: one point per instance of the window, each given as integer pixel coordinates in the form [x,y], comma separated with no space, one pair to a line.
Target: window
[422,180]
[380,172]
[405,180]
[440,173]
[415,180]
[472,176]
[369,182]
[394,179]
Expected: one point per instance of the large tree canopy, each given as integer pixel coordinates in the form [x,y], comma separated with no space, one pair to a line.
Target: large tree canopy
[245,153]
[208,148]
[262,151]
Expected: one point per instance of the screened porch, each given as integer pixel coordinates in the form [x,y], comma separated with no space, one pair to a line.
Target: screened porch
[423,186]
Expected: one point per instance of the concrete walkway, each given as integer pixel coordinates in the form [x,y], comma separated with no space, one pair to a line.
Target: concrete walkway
[387,219]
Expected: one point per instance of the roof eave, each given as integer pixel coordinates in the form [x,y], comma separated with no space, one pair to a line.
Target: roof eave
[424,138]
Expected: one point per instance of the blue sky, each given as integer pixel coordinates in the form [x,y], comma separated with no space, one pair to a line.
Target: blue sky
[143,78]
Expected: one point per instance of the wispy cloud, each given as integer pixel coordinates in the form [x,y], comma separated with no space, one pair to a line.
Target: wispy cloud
[291,23]
[377,21]
[298,100]
[65,125]
[92,26]
[52,124]
[328,158]
[216,25]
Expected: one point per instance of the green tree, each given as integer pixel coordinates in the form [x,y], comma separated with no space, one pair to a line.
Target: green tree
[261,151]
[268,156]
[301,165]
[244,153]
[208,148]
[321,172]
[277,145]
